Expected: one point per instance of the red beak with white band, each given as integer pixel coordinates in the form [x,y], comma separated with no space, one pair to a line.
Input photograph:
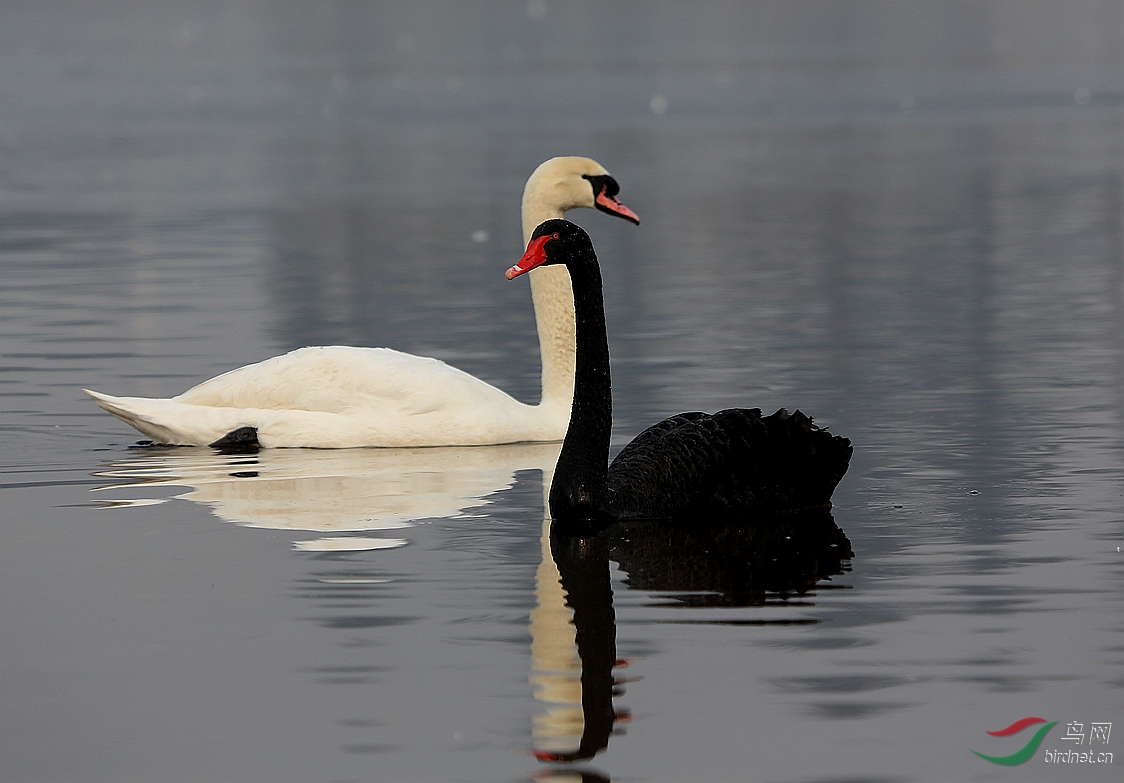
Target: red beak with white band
[535,256]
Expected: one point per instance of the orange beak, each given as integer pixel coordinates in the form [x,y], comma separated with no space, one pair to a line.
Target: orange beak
[613,207]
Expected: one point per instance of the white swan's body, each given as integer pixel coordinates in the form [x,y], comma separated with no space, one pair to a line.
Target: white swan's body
[339,397]
[342,397]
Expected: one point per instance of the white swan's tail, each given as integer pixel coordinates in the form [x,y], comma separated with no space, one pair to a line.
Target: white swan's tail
[171,422]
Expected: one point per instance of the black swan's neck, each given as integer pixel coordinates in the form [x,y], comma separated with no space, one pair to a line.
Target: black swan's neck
[579,489]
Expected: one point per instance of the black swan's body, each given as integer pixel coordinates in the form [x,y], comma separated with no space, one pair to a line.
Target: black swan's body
[733,465]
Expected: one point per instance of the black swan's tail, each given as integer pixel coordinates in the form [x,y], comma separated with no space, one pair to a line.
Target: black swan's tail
[785,459]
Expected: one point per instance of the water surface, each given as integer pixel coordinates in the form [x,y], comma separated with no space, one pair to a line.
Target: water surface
[906,221]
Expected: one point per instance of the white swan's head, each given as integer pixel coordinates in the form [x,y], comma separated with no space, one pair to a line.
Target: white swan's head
[568,182]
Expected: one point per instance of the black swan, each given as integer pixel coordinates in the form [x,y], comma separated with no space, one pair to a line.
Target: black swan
[730,466]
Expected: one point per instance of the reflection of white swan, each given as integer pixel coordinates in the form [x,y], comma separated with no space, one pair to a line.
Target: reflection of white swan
[556,668]
[350,491]
[333,491]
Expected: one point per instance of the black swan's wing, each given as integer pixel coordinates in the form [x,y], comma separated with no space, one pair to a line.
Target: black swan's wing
[729,465]
[663,466]
[646,441]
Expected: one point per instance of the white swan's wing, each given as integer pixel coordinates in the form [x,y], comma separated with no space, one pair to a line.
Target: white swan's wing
[341,379]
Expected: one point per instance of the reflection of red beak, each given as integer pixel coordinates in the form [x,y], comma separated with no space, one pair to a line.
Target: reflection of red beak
[535,256]
[612,206]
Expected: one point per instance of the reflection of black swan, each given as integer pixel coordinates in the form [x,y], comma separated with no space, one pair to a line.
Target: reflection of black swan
[702,566]
[583,567]
[729,466]
[731,565]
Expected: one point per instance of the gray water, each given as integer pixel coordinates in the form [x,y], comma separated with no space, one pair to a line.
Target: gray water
[906,219]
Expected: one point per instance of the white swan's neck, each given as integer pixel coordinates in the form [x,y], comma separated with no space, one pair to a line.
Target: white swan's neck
[553,298]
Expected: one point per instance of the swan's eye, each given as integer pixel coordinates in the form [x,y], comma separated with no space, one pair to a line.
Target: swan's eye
[555,235]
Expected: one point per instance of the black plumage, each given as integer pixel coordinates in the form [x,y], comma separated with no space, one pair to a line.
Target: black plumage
[727,466]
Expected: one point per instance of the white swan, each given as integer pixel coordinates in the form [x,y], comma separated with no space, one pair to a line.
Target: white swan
[341,397]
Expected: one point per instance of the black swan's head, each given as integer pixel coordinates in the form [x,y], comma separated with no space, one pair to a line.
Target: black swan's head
[554,242]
